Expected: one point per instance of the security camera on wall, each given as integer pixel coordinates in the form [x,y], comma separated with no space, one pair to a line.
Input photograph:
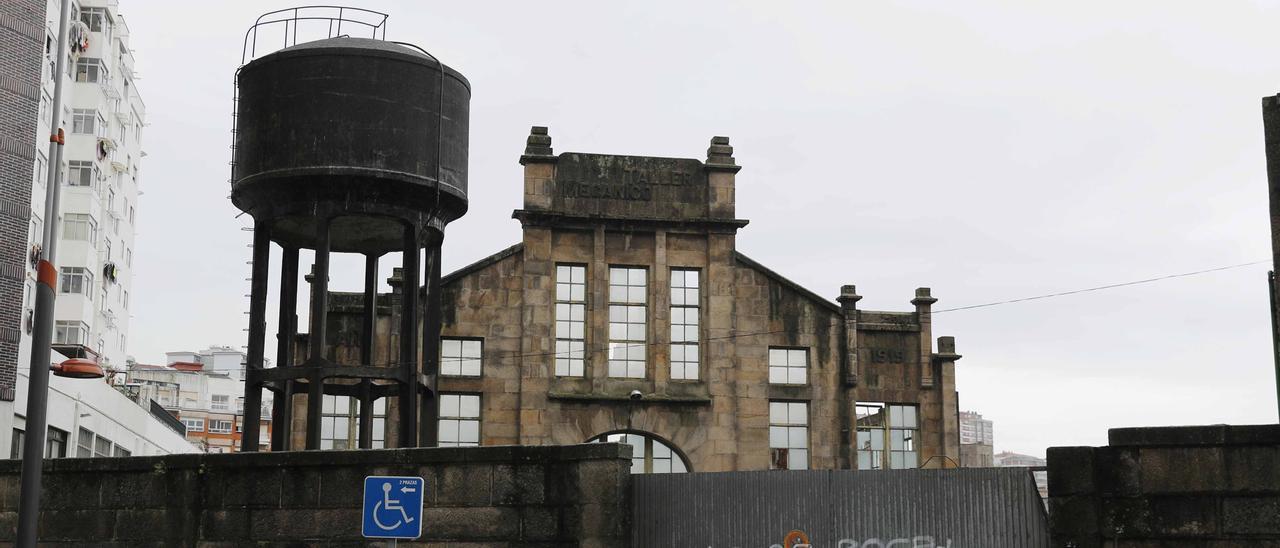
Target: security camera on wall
[636,395]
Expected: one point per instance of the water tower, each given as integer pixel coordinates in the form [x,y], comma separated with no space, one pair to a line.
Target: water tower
[349,143]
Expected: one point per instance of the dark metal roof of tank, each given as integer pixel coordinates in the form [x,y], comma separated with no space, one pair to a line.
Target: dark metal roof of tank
[362,46]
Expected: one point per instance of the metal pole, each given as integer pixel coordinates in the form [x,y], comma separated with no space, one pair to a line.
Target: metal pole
[1275,333]
[319,322]
[282,405]
[42,334]
[365,438]
[408,427]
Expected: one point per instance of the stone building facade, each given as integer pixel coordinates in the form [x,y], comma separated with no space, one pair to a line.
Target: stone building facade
[627,313]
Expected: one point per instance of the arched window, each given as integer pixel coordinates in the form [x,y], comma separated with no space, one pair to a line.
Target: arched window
[649,455]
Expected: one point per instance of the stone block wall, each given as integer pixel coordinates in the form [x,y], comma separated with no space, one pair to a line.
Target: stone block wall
[1202,486]
[505,496]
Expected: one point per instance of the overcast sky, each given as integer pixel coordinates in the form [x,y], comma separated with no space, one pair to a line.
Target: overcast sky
[989,150]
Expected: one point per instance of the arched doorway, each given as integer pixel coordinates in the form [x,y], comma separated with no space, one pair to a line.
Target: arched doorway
[650,454]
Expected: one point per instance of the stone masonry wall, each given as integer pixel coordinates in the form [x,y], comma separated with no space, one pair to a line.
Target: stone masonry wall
[505,496]
[1202,486]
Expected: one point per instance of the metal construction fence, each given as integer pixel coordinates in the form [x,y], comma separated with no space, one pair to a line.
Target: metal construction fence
[956,508]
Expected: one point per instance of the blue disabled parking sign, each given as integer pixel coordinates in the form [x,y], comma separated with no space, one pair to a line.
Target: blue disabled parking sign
[393,507]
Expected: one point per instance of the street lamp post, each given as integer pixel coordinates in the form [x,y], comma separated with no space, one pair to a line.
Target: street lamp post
[42,334]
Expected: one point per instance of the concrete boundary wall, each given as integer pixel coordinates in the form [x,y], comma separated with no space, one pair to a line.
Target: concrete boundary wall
[1194,486]
[507,496]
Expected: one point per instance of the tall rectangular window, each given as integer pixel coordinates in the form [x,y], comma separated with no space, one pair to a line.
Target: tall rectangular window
[84,443]
[84,120]
[461,357]
[81,173]
[97,19]
[788,366]
[628,294]
[459,420]
[685,303]
[70,332]
[55,446]
[79,226]
[340,423]
[788,435]
[571,320]
[41,175]
[891,426]
[76,279]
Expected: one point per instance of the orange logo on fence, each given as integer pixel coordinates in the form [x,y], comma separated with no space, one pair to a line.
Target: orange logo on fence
[795,538]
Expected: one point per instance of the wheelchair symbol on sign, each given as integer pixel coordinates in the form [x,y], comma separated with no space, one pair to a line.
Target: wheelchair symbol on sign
[393,507]
[388,504]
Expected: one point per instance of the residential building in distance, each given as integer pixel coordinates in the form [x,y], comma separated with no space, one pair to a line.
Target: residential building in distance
[102,116]
[977,437]
[204,390]
[628,313]
[1006,458]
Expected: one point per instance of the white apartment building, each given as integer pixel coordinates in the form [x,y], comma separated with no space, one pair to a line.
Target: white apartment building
[205,390]
[103,117]
[975,430]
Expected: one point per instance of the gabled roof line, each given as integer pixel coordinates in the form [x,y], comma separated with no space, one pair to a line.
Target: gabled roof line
[455,275]
[784,281]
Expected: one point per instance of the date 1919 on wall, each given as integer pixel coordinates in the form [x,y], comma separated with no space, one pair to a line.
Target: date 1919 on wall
[887,355]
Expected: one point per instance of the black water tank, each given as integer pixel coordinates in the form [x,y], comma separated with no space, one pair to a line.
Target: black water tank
[352,126]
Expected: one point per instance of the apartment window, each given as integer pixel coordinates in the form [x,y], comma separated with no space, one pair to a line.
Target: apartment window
[128,257]
[131,219]
[788,366]
[194,424]
[219,426]
[887,436]
[649,455]
[106,244]
[571,320]
[37,228]
[89,69]
[55,446]
[788,435]
[41,175]
[18,439]
[101,447]
[70,332]
[627,321]
[239,406]
[97,19]
[77,279]
[459,420]
[84,120]
[684,324]
[84,443]
[125,302]
[340,423]
[460,357]
[81,173]
[79,226]
[122,452]
[220,402]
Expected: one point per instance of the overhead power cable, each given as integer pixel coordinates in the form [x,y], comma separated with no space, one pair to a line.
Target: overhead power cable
[1099,288]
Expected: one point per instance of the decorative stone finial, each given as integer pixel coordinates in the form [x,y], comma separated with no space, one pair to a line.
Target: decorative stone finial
[538,146]
[849,296]
[720,153]
[923,297]
[396,280]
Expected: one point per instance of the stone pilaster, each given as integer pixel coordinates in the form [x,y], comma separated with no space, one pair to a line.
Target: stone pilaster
[950,424]
[848,300]
[923,302]
[539,169]
[721,173]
